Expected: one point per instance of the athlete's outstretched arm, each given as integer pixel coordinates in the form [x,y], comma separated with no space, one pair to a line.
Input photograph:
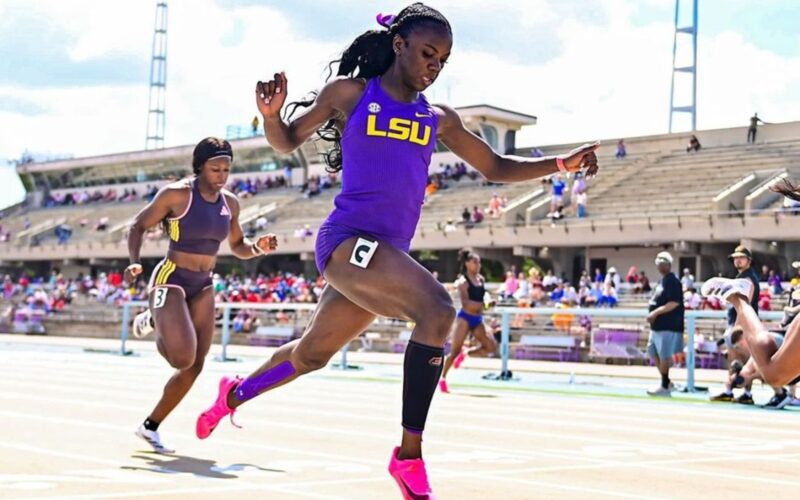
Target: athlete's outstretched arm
[507,168]
[330,103]
[240,246]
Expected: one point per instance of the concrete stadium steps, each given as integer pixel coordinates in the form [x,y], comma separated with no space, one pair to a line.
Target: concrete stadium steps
[688,182]
[449,203]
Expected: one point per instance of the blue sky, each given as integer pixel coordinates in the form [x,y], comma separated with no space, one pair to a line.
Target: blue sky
[73,75]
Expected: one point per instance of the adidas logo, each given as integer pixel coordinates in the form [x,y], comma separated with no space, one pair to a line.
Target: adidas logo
[224,212]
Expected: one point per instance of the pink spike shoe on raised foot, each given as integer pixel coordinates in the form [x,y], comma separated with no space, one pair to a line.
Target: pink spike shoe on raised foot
[459,359]
[208,420]
[443,386]
[411,477]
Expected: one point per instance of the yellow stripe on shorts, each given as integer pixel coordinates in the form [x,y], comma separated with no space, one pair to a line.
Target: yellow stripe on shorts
[163,275]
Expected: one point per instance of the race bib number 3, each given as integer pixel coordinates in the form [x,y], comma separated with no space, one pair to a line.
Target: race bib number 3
[363,252]
[160,298]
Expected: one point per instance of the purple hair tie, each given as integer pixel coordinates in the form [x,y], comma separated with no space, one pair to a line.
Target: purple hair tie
[385,20]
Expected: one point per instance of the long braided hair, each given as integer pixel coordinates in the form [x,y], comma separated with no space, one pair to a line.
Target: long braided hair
[788,189]
[368,56]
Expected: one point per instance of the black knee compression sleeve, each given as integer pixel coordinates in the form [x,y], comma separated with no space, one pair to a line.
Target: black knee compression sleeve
[422,368]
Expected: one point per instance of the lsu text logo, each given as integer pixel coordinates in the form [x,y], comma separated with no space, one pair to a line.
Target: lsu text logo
[400,129]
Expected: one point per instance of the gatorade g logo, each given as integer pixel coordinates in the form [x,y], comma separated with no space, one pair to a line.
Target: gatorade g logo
[363,252]
[437,361]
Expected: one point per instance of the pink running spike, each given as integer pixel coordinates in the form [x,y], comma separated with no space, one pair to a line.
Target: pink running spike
[411,477]
[208,420]
[459,359]
[443,386]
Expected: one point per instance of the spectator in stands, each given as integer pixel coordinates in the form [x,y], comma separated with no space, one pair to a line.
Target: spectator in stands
[494,206]
[643,284]
[63,232]
[523,291]
[254,125]
[687,281]
[599,277]
[537,153]
[666,322]
[774,281]
[694,144]
[102,224]
[584,279]
[765,299]
[303,232]
[614,277]
[557,294]
[466,216]
[581,200]
[570,294]
[549,281]
[622,150]
[609,295]
[477,215]
[691,299]
[8,287]
[287,175]
[764,276]
[631,278]
[26,224]
[449,227]
[313,187]
[557,197]
[510,285]
[751,131]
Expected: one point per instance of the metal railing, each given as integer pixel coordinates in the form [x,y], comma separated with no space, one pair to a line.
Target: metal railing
[691,318]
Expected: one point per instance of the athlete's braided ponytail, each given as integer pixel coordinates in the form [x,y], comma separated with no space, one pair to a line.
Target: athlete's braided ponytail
[368,56]
[788,189]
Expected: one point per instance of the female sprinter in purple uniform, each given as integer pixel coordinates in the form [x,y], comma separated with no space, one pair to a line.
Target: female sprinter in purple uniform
[198,214]
[384,131]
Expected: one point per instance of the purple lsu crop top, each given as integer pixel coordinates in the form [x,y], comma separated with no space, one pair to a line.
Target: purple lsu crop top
[386,149]
[202,226]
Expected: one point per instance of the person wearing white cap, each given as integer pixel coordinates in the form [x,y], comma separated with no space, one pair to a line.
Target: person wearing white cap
[614,277]
[666,322]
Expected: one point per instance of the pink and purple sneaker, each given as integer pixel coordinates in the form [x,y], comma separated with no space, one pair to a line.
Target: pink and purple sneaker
[208,420]
[411,477]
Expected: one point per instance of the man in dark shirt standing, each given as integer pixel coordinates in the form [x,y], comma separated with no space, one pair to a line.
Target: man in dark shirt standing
[666,322]
[743,262]
[751,130]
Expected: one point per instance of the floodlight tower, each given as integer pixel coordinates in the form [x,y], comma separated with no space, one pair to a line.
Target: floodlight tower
[692,68]
[156,116]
